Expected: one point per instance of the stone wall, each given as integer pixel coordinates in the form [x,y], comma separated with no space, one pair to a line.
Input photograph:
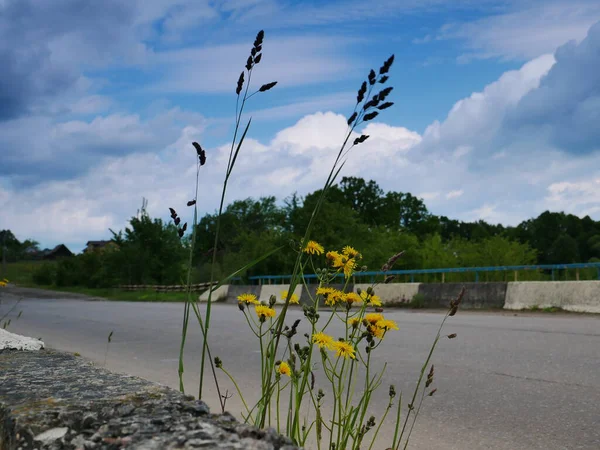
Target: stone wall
[54,400]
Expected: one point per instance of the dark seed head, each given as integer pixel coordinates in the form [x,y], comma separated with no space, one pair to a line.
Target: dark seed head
[386,65]
[372,77]
[383,79]
[257,58]
[452,336]
[370,116]
[249,62]
[197,147]
[173,213]
[361,92]
[386,105]
[177,220]
[240,83]
[385,92]
[259,38]
[361,139]
[266,87]
[191,203]
[352,118]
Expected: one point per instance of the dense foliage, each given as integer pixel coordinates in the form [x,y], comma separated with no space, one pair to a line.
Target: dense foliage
[357,211]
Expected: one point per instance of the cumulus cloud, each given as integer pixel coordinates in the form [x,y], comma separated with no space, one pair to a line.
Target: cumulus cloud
[565,108]
[42,45]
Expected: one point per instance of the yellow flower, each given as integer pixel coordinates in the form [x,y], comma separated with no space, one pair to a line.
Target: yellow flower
[375,301]
[324,291]
[293,298]
[354,322]
[322,340]
[344,349]
[373,318]
[352,297]
[334,297]
[248,298]
[284,369]
[376,331]
[2,284]
[350,252]
[314,248]
[335,258]
[387,324]
[263,311]
[371,300]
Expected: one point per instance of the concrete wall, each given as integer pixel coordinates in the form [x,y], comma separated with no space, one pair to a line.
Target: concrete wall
[477,295]
[219,295]
[580,296]
[393,293]
[275,289]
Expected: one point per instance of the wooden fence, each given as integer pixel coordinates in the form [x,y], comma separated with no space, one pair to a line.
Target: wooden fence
[170,288]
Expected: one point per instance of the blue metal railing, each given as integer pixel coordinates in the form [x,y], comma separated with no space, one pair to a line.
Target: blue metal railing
[268,279]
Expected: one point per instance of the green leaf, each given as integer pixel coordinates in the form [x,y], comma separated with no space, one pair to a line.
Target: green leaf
[239,146]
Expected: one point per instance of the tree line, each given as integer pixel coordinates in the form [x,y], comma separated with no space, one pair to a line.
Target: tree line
[356,212]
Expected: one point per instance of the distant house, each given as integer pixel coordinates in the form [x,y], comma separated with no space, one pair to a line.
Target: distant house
[60,251]
[94,246]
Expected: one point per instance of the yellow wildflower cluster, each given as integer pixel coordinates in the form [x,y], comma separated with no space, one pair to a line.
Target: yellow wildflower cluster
[3,282]
[334,297]
[376,324]
[341,348]
[293,298]
[371,300]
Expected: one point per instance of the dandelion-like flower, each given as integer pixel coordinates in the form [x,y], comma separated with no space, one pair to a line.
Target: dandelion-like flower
[387,324]
[354,322]
[334,297]
[344,349]
[263,312]
[249,299]
[314,248]
[349,266]
[376,331]
[371,300]
[335,259]
[352,297]
[284,369]
[373,318]
[322,340]
[350,252]
[293,297]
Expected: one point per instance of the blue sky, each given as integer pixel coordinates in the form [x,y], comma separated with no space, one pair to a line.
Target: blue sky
[496,115]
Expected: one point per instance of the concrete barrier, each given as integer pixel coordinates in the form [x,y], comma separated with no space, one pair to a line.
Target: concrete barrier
[305,299]
[477,295]
[393,293]
[579,296]
[219,295]
[275,289]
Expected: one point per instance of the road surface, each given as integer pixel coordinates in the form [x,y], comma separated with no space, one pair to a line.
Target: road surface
[507,382]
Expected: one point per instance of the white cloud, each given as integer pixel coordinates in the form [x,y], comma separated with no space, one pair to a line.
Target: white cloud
[455,194]
[525,31]
[291,61]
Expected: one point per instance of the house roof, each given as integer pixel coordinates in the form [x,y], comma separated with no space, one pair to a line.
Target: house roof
[97,242]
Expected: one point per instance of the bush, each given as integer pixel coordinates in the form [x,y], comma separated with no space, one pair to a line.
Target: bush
[418,301]
[45,274]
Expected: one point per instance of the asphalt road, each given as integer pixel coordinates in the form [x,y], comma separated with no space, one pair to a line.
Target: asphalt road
[507,382]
